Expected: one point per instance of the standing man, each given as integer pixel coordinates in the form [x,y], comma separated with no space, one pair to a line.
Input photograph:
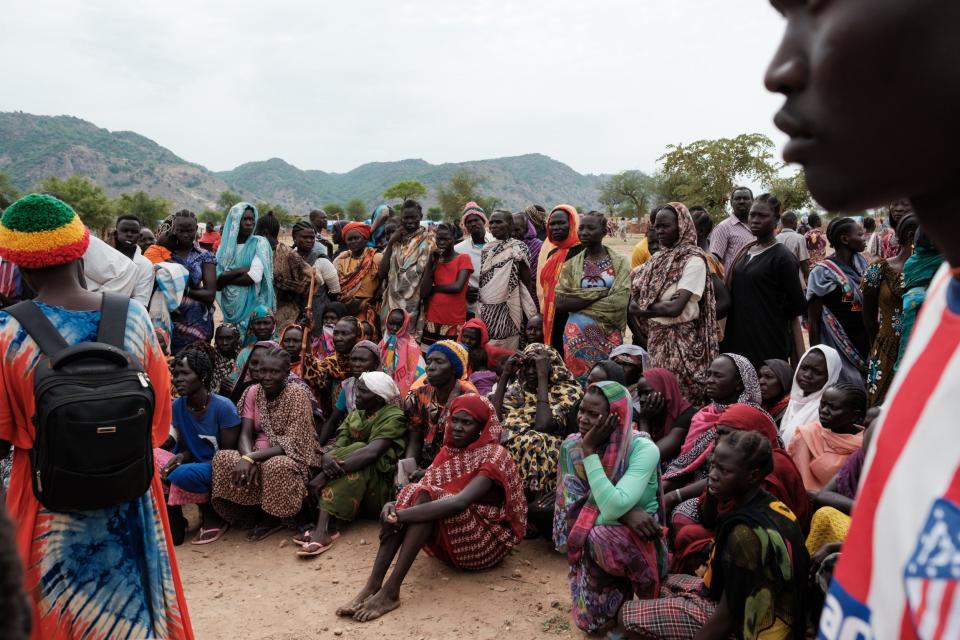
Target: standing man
[474,221]
[323,248]
[730,235]
[126,239]
[403,264]
[210,238]
[796,243]
[897,576]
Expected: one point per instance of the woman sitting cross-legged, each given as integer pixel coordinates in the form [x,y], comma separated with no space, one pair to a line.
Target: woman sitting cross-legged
[821,448]
[775,378]
[204,422]
[609,476]
[468,510]
[356,476]
[265,480]
[756,580]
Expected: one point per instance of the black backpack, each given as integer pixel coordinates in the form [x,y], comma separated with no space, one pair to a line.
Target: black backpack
[94,413]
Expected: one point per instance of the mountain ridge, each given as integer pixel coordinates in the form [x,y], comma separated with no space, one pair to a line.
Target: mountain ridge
[34,147]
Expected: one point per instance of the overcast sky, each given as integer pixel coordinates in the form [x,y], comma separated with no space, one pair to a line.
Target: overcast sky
[602,86]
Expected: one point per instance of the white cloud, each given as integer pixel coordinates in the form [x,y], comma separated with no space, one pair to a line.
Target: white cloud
[602,86]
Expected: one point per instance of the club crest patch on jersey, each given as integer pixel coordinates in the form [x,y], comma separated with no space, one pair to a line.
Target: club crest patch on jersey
[932,574]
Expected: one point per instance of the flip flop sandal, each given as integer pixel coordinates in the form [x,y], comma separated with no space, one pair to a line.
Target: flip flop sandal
[306,541]
[313,549]
[201,537]
[261,533]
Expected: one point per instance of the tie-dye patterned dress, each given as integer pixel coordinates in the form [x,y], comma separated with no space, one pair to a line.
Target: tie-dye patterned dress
[108,573]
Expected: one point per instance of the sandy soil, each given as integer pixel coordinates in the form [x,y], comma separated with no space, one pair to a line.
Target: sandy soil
[261,590]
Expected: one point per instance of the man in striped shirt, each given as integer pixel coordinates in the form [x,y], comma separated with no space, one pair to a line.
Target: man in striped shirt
[899,572]
[730,235]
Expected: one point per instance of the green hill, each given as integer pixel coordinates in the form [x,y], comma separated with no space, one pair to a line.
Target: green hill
[35,147]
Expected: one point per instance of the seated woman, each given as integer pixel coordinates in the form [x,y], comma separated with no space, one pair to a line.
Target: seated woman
[474,335]
[533,398]
[481,376]
[291,339]
[662,411]
[755,584]
[324,376]
[605,370]
[262,326]
[426,406]
[203,422]
[400,352]
[607,470]
[364,357]
[264,481]
[819,368]
[468,510]
[250,372]
[356,476]
[820,448]
[730,379]
[775,377]
[226,339]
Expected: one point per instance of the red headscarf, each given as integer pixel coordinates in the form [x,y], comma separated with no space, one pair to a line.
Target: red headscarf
[453,468]
[363,229]
[785,483]
[664,382]
[550,273]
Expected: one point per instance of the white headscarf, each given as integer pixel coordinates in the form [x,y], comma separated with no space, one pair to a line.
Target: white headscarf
[805,409]
[382,385]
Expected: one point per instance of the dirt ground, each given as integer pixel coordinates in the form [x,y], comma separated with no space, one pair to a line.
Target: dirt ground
[263,591]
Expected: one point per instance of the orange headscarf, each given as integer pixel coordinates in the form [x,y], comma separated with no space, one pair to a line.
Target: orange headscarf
[550,268]
[363,229]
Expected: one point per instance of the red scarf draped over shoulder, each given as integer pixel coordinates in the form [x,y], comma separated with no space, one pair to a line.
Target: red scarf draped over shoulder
[551,268]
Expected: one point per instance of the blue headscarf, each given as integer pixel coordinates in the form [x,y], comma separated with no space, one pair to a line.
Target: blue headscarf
[379,214]
[237,302]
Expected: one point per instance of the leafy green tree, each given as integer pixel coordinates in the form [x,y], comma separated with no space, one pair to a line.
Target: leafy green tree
[706,171]
[227,199]
[356,209]
[630,187]
[405,189]
[210,215]
[8,194]
[86,198]
[149,209]
[792,192]
[435,214]
[334,210]
[286,218]
[461,188]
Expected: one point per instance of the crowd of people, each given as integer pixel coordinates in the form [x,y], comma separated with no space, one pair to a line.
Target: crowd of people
[665,424]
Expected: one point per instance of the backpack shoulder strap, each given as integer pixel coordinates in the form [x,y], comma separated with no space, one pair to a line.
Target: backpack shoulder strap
[113,319]
[38,327]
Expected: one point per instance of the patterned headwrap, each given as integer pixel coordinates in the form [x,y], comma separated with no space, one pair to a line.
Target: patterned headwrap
[631,354]
[454,352]
[262,311]
[473,209]
[378,221]
[40,231]
[369,346]
[748,376]
[361,228]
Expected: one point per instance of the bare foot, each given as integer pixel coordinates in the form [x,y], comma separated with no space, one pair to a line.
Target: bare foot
[375,607]
[349,609]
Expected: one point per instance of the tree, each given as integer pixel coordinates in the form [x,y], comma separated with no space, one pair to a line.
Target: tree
[8,194]
[461,188]
[405,189]
[279,211]
[86,198]
[210,215]
[435,214]
[333,210]
[356,209]
[792,192]
[227,199]
[706,171]
[149,209]
[630,187]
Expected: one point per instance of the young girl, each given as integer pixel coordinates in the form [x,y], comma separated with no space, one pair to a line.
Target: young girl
[819,368]
[444,288]
[400,352]
[820,448]
[204,422]
[754,586]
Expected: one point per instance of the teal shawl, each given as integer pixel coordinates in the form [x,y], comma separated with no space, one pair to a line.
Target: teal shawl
[236,302]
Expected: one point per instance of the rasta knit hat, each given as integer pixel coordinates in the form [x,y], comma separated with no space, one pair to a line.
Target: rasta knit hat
[40,231]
